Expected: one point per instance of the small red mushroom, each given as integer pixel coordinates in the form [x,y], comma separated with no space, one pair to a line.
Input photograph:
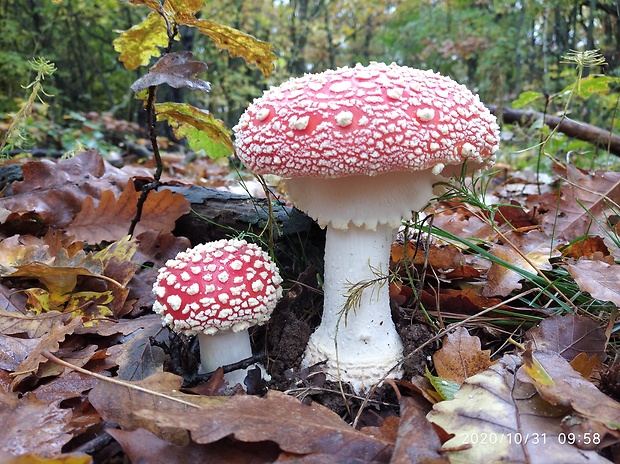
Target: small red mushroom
[218,290]
[360,149]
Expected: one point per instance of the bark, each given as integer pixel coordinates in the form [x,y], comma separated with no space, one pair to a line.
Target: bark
[576,129]
[298,240]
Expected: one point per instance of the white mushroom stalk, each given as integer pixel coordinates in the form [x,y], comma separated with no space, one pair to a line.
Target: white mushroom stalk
[222,349]
[358,342]
[360,149]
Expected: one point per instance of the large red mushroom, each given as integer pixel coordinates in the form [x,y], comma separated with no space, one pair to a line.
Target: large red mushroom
[218,290]
[360,149]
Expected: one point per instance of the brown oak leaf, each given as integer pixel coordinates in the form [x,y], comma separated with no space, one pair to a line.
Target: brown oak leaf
[109,220]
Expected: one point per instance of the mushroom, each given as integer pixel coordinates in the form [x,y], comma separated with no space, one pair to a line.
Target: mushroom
[360,149]
[218,290]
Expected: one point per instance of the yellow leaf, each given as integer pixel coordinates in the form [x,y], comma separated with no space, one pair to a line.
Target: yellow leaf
[188,7]
[152,4]
[36,459]
[38,300]
[184,118]
[116,259]
[237,43]
[92,305]
[140,43]
[535,370]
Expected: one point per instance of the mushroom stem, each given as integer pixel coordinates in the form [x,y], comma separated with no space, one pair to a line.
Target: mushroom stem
[363,346]
[226,347]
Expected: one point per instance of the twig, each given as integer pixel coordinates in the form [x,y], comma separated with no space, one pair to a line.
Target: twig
[46,354]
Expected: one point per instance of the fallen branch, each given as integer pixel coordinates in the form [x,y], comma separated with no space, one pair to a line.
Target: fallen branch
[576,129]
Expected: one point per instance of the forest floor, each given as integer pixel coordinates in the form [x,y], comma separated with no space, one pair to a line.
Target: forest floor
[507,310]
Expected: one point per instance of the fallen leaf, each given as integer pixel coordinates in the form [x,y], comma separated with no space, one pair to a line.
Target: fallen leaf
[497,417]
[421,385]
[586,248]
[535,370]
[52,192]
[599,278]
[569,389]
[445,388]
[439,257]
[51,343]
[136,357]
[515,215]
[466,301]
[533,244]
[71,385]
[585,203]
[588,367]
[133,408]
[457,219]
[30,425]
[65,458]
[386,430]
[569,336]
[110,219]
[277,417]
[417,441]
[460,356]
[31,324]
[118,266]
[14,350]
[142,446]
[110,327]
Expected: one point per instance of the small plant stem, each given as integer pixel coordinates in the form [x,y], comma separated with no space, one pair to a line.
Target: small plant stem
[151,119]
[271,222]
[172,29]
[46,354]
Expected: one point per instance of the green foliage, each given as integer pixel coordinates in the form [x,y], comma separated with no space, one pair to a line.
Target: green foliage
[446,388]
[526,99]
[12,136]
[594,90]
[503,50]
[160,28]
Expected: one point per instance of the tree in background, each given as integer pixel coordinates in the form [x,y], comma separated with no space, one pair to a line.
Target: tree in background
[498,48]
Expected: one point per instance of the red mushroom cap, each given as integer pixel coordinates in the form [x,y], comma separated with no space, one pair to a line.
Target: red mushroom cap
[222,285]
[365,120]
